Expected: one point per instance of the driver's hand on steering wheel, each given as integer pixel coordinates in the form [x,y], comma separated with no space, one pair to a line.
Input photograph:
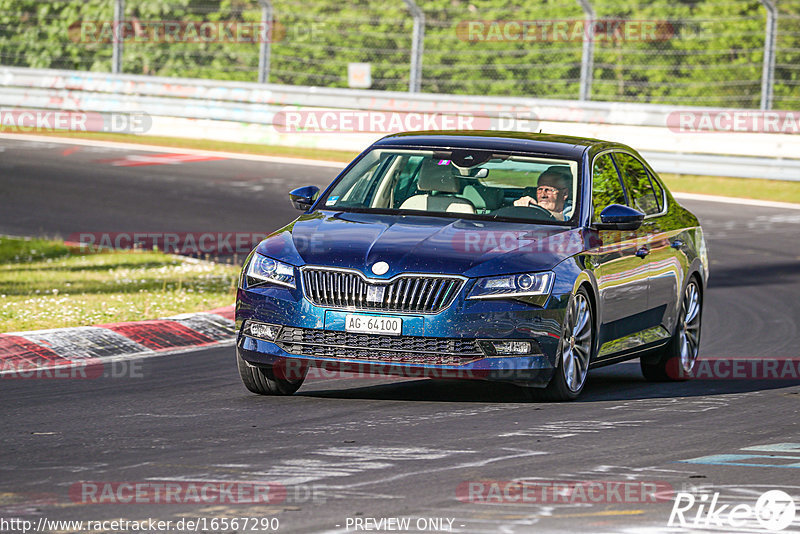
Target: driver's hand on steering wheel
[526,201]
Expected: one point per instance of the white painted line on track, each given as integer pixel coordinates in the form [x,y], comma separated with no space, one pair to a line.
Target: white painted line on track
[155,148]
[334,164]
[740,201]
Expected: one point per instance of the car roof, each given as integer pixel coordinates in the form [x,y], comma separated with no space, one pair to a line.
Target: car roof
[539,143]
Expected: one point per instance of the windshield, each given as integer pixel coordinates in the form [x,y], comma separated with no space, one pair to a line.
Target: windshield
[459,183]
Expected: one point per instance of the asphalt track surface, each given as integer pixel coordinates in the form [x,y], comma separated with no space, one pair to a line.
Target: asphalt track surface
[371,448]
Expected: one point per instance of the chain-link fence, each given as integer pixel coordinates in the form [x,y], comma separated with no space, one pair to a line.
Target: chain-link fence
[787,56]
[698,52]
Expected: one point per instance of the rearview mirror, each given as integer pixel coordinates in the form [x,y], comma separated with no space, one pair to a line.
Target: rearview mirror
[303,197]
[475,172]
[619,217]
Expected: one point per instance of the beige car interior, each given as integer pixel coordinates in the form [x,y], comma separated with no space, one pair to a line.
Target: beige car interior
[441,190]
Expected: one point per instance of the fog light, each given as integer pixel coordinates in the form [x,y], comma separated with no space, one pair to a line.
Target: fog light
[261,330]
[507,347]
[512,347]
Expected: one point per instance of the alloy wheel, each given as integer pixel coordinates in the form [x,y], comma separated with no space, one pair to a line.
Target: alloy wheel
[690,327]
[577,343]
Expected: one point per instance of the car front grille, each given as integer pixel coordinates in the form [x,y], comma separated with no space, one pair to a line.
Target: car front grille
[378,348]
[412,293]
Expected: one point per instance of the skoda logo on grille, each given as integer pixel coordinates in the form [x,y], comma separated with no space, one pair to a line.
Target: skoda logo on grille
[380,268]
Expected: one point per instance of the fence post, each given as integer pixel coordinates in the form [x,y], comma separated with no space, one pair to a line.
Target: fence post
[116,50]
[768,74]
[587,56]
[267,33]
[417,45]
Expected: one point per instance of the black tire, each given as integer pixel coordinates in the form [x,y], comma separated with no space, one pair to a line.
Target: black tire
[577,344]
[264,381]
[676,360]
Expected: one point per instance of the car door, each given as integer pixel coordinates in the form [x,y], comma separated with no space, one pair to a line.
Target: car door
[622,276]
[664,265]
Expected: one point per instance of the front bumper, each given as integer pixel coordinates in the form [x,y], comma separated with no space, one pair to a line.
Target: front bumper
[449,344]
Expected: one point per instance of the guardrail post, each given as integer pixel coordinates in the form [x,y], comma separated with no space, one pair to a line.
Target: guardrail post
[587,56]
[768,74]
[266,41]
[116,50]
[417,46]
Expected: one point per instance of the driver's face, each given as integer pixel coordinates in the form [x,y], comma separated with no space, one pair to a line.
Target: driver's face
[551,195]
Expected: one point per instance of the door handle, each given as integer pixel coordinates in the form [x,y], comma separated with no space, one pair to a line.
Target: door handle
[642,252]
[677,244]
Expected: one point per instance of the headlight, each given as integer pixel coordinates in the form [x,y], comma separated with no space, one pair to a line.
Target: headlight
[513,286]
[264,270]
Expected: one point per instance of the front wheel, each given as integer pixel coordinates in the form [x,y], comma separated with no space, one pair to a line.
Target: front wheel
[677,359]
[264,380]
[574,351]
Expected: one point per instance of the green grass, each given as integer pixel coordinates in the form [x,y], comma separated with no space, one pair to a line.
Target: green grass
[776,190]
[14,250]
[45,284]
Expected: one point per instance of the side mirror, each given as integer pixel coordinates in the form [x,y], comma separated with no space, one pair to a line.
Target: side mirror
[303,197]
[619,217]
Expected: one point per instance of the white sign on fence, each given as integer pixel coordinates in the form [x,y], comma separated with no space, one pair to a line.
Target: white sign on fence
[359,75]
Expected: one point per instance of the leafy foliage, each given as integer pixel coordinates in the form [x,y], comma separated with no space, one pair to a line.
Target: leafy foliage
[704,52]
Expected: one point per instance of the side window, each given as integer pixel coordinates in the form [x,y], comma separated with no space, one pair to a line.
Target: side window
[659,191]
[637,184]
[606,187]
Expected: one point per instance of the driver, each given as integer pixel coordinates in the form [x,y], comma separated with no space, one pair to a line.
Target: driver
[552,191]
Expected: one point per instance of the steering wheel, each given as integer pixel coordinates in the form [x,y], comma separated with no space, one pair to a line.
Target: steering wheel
[522,212]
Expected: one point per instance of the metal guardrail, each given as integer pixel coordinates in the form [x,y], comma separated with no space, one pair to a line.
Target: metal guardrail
[212,93]
[253,103]
[734,166]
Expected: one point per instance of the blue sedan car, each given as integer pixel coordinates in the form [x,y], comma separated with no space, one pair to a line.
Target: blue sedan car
[527,258]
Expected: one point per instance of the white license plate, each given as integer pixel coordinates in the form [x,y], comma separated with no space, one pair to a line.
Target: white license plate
[373,324]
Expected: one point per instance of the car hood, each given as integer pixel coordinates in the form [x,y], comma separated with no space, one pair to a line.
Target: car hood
[421,244]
